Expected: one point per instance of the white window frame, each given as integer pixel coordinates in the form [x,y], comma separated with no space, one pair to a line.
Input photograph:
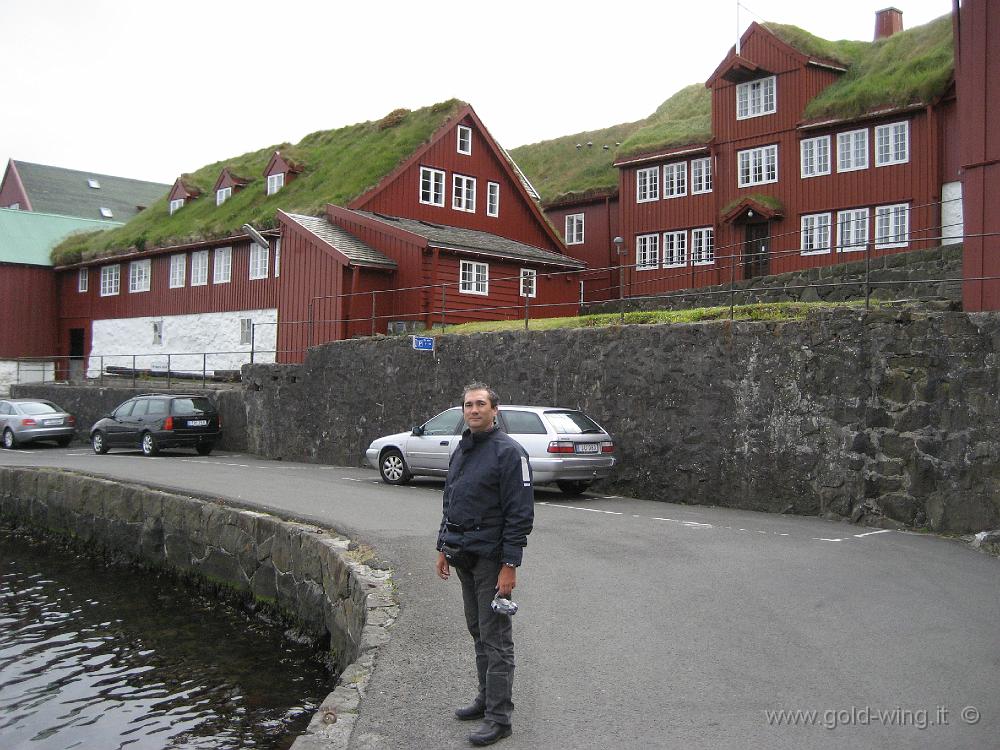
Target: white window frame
[675,180]
[176,205]
[887,143]
[757,98]
[647,184]
[850,158]
[246,330]
[647,252]
[178,270]
[258,261]
[139,272]
[222,266]
[199,268]
[464,138]
[763,159]
[574,229]
[83,280]
[432,186]
[703,246]
[814,156]
[463,193]
[222,195]
[275,182]
[474,277]
[852,230]
[277,257]
[815,234]
[529,283]
[110,280]
[492,198]
[892,218]
[701,175]
[674,249]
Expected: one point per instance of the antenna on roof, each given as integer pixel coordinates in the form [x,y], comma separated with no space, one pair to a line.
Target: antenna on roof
[737,28]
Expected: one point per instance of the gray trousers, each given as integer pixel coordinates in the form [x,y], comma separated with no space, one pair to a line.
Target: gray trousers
[493,639]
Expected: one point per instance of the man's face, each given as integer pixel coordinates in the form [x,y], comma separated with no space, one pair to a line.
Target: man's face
[478,412]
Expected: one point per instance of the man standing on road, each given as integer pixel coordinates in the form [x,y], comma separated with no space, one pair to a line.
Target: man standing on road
[488,514]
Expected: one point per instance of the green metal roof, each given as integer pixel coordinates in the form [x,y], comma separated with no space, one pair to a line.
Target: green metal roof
[28,236]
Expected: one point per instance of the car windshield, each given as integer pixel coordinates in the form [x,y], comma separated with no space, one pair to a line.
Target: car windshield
[183,407]
[37,407]
[572,423]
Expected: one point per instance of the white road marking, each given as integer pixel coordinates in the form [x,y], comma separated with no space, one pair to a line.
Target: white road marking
[351,479]
[592,510]
[824,539]
[869,533]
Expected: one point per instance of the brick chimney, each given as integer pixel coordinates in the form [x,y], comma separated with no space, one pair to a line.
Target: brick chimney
[887,22]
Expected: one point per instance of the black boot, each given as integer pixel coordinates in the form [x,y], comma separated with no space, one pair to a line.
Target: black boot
[474,710]
[489,732]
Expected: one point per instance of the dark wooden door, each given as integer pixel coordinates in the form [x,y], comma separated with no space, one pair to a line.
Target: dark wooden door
[756,256]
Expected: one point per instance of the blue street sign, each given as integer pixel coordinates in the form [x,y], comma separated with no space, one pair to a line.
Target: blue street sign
[423,343]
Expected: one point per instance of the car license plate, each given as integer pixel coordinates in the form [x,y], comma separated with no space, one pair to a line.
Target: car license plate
[197,423]
[588,447]
[53,421]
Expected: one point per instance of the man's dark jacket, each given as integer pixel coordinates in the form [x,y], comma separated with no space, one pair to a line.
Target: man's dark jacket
[489,505]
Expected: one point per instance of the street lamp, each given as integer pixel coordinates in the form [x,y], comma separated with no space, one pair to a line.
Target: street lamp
[620,249]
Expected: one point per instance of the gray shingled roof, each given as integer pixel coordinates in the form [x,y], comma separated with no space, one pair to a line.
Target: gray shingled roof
[356,250]
[474,241]
[66,192]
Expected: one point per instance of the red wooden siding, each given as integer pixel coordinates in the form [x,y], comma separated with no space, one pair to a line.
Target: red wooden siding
[600,227]
[29,299]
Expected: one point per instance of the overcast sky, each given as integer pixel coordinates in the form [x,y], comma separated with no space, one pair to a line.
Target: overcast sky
[148,89]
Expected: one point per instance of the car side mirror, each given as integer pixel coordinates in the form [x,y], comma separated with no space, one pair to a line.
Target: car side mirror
[418,431]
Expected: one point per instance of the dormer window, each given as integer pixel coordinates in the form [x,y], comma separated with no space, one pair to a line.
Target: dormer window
[176,205]
[756,98]
[464,139]
[222,195]
[275,182]
[106,212]
[93,184]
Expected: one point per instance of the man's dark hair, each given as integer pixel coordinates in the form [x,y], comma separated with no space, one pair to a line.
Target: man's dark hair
[477,386]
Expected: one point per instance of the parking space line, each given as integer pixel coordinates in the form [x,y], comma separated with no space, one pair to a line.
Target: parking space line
[592,510]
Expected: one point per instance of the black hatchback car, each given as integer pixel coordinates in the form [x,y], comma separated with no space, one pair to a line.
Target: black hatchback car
[155,421]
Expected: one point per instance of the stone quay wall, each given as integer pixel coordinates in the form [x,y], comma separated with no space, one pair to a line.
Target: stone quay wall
[305,572]
[886,417]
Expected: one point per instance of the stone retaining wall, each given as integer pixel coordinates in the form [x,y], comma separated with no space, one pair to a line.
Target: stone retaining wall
[305,572]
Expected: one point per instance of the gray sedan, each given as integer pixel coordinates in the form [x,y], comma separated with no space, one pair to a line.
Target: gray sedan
[24,420]
[564,446]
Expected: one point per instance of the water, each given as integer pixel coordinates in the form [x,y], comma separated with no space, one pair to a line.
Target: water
[99,656]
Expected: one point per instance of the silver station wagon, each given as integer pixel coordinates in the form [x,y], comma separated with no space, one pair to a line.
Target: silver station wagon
[564,446]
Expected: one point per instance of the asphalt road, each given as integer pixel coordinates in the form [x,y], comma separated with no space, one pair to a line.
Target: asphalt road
[648,625]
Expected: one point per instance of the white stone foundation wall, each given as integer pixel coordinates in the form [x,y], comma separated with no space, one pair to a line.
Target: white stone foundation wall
[193,342]
[12,372]
[952,218]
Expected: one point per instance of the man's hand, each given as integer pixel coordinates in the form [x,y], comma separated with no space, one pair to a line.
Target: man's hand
[506,581]
[442,567]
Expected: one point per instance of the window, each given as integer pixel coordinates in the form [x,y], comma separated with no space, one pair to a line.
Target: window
[674,249]
[277,257]
[647,251]
[815,156]
[258,261]
[446,423]
[647,184]
[246,330]
[758,166]
[157,333]
[892,226]
[852,150]
[892,144]
[529,278]
[474,278]
[138,275]
[755,98]
[222,194]
[223,265]
[492,198]
[675,179]
[107,213]
[431,186]
[178,264]
[852,230]
[110,280]
[815,234]
[82,280]
[574,229]
[701,176]
[463,193]
[703,246]
[199,268]
[464,140]
[176,205]
[275,182]
[522,422]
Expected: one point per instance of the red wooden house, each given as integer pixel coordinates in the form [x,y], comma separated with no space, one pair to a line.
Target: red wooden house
[589,222]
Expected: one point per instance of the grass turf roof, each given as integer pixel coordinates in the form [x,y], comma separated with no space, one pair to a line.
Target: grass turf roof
[339,165]
[684,118]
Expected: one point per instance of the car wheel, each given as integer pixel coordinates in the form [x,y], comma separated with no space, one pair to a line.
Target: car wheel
[204,448]
[393,469]
[9,441]
[573,486]
[149,446]
[98,443]
[64,441]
